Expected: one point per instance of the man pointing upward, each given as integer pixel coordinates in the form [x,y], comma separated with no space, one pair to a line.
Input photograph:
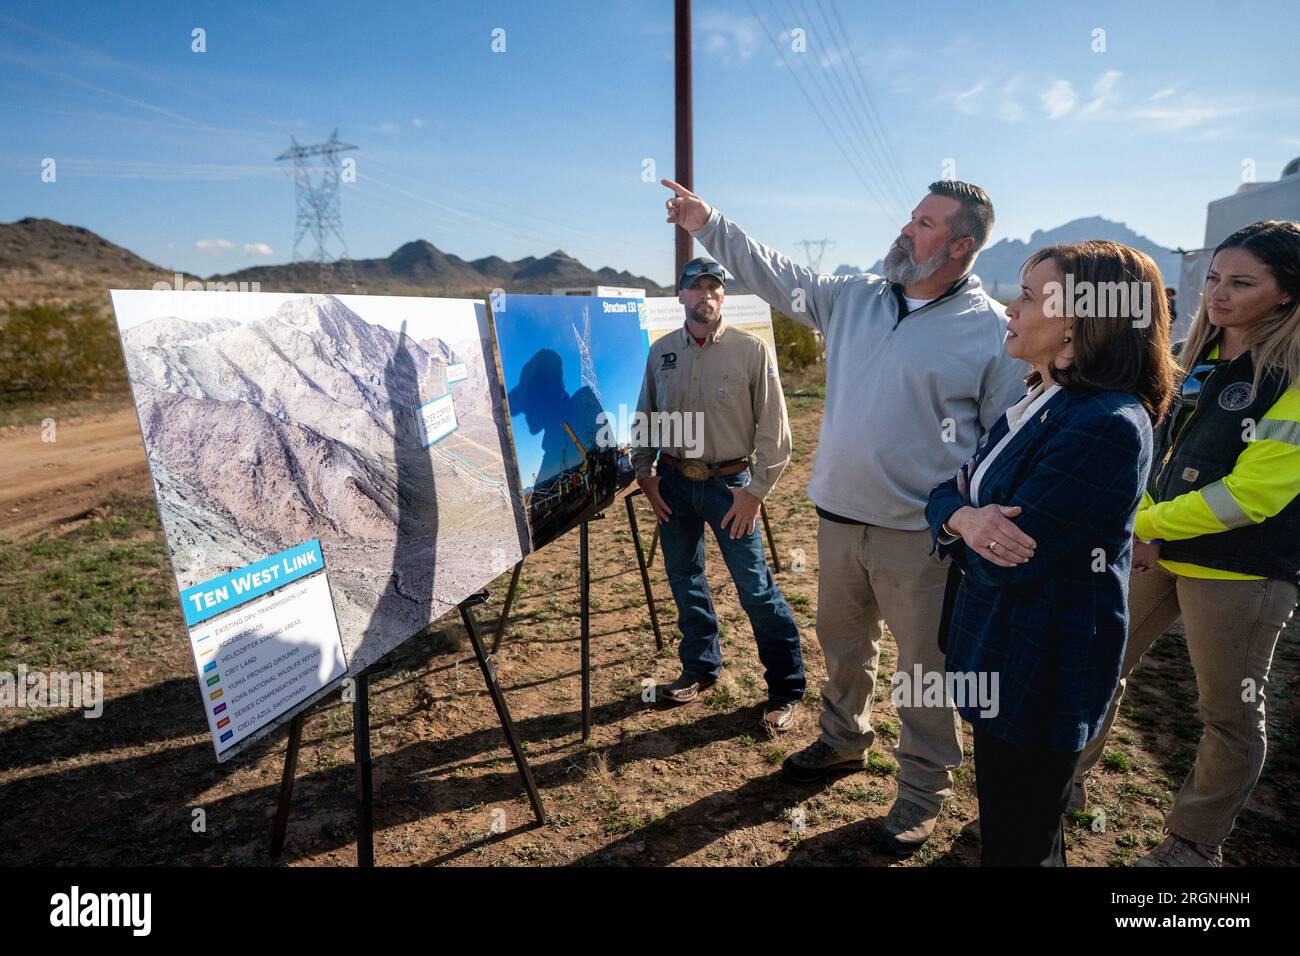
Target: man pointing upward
[916,372]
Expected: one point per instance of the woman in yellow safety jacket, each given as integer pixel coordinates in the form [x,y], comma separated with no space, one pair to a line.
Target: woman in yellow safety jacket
[1217,535]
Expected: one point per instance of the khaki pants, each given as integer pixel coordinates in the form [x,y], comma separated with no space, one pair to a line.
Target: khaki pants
[1232,628]
[868,572]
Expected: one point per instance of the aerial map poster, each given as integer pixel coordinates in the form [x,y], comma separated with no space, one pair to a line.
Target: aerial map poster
[333,473]
[573,367]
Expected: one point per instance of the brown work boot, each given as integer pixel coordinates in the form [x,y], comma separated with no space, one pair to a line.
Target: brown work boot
[819,760]
[907,826]
[1175,851]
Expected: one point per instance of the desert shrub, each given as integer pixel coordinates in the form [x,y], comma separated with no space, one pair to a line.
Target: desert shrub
[57,351]
[796,346]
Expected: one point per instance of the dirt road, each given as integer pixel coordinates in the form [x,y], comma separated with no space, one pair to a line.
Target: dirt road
[43,482]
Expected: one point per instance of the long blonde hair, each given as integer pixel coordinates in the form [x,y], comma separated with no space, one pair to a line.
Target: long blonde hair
[1273,341]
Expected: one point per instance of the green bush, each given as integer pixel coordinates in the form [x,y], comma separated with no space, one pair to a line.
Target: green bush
[796,346]
[50,351]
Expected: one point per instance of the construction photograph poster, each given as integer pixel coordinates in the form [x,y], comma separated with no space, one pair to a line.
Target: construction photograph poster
[573,367]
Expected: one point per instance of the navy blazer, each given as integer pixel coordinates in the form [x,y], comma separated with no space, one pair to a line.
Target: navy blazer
[1052,629]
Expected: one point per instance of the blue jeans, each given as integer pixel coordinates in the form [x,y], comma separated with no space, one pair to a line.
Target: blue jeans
[695,504]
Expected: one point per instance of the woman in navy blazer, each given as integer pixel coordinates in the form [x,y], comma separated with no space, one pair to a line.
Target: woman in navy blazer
[1040,523]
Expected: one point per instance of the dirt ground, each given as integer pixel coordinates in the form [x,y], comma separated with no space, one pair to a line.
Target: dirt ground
[85,584]
[61,467]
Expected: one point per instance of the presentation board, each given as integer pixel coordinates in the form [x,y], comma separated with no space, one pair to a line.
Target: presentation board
[333,473]
[573,367]
[665,314]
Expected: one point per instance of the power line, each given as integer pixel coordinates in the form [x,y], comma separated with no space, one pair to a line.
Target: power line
[822,119]
[879,182]
[855,113]
[872,113]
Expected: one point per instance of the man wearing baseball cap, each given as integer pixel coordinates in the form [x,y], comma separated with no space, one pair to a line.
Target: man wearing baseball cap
[713,397]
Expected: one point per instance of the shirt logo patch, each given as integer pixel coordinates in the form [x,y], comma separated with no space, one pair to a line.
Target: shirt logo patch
[1236,397]
[1191,474]
[670,360]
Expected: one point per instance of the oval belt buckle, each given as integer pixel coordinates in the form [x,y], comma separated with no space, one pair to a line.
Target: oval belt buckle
[694,470]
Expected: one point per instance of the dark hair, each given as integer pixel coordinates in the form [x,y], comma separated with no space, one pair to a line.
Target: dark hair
[1276,243]
[1114,352]
[1273,341]
[974,218]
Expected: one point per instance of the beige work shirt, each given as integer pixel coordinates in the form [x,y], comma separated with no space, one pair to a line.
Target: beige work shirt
[731,381]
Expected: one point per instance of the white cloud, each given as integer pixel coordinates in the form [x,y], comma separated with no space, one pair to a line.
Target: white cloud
[968,100]
[258,248]
[1102,89]
[213,245]
[1059,99]
[1162,94]
[728,37]
[417,122]
[1009,108]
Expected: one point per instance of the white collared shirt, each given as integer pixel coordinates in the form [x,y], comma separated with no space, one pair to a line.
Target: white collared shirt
[1017,415]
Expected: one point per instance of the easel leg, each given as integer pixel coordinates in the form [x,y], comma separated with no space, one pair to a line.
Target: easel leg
[645,573]
[499,701]
[654,542]
[365,788]
[286,785]
[584,573]
[505,608]
[771,543]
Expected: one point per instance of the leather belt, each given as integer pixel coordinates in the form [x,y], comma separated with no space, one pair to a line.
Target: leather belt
[695,470]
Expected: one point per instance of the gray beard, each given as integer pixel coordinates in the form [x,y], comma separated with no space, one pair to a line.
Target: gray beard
[900,267]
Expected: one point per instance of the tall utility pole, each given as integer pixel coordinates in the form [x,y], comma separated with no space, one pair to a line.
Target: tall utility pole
[318,201]
[684,174]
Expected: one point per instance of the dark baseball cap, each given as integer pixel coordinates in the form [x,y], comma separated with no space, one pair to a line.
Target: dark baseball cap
[700,266]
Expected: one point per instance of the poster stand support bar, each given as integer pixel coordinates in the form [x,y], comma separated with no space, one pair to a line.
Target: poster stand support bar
[362,755]
[584,574]
[767,527]
[505,608]
[645,569]
[365,778]
[286,785]
[499,701]
[771,542]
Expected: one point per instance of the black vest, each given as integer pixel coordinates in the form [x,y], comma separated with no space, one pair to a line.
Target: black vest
[1205,449]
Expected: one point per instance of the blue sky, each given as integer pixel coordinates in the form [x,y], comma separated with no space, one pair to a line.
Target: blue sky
[171,153]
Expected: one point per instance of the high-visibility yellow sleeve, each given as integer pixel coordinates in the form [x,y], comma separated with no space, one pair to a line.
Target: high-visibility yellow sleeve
[1265,479]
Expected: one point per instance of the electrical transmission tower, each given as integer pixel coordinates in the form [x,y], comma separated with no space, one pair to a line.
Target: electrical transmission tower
[588,370]
[316,190]
[814,259]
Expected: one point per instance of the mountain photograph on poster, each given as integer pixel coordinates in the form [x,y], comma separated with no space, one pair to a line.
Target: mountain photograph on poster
[370,423]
